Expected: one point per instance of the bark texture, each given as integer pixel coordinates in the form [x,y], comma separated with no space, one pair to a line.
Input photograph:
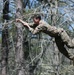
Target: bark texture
[19,42]
[5,40]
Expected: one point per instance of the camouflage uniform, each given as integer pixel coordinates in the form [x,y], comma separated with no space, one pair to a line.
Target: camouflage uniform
[61,37]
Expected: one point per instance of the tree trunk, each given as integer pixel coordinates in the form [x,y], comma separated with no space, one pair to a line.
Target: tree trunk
[19,42]
[5,49]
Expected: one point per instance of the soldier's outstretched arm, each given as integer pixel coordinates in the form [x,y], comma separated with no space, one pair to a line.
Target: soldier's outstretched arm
[38,29]
[26,24]
[21,21]
[34,31]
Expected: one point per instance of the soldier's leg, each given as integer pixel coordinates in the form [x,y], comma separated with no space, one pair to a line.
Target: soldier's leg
[66,39]
[62,49]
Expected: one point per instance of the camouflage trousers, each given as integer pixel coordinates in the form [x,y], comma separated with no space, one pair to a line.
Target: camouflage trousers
[62,40]
[66,39]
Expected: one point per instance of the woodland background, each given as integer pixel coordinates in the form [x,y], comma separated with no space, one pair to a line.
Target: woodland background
[21,52]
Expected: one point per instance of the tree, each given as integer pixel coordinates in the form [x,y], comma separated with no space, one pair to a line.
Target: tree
[30,54]
[19,57]
[5,49]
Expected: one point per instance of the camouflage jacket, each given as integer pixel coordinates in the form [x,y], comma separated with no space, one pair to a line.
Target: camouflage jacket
[44,27]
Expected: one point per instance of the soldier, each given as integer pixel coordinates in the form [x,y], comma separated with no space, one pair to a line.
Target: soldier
[60,35]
